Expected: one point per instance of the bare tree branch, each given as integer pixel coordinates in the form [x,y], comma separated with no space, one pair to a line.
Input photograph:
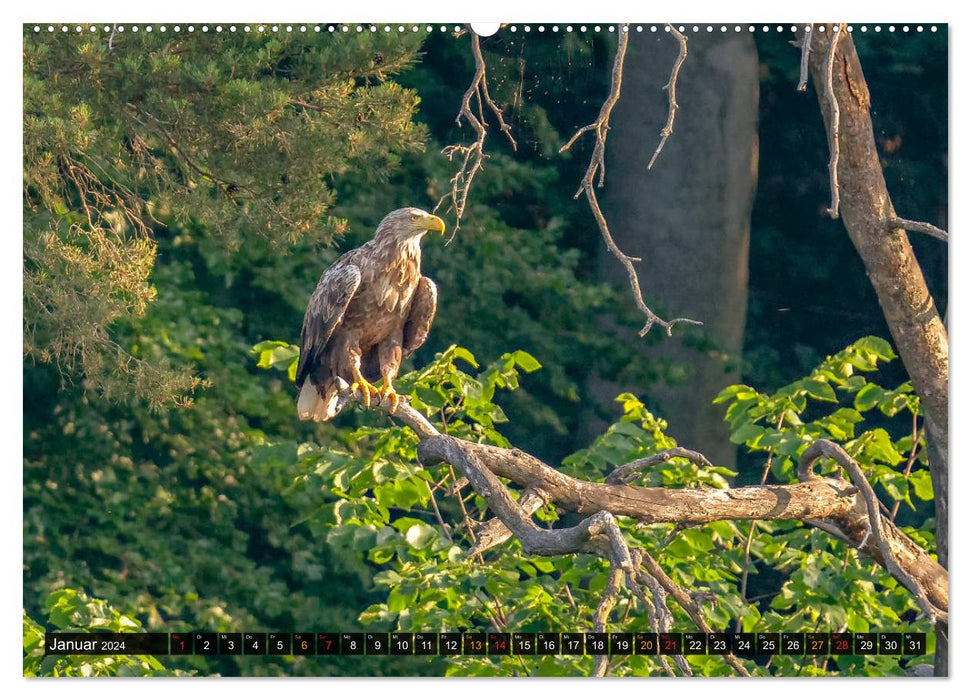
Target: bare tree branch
[918,226]
[807,46]
[672,88]
[597,534]
[596,168]
[834,123]
[622,475]
[659,616]
[607,602]
[493,532]
[473,154]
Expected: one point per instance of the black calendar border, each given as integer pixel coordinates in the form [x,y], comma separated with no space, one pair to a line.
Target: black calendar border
[484,643]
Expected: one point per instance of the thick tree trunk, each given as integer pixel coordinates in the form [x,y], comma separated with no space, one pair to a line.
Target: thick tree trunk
[866,209]
[688,219]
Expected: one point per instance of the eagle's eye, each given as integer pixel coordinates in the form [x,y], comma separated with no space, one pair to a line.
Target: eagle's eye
[414,217]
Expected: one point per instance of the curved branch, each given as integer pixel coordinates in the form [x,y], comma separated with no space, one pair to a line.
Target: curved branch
[876,526]
[597,534]
[620,474]
[848,509]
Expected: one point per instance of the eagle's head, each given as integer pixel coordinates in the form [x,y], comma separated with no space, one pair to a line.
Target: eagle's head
[408,225]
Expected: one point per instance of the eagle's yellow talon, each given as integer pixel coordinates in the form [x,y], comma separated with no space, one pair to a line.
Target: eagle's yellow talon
[389,394]
[393,397]
[367,391]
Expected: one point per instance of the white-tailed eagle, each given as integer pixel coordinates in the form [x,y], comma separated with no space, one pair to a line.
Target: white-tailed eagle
[371,309]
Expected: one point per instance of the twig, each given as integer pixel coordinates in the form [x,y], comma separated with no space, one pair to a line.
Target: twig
[807,47]
[596,167]
[623,474]
[659,617]
[672,88]
[911,459]
[918,226]
[438,513]
[831,530]
[825,448]
[743,584]
[834,126]
[473,154]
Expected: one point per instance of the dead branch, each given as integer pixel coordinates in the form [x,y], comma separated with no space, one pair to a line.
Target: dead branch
[659,616]
[623,474]
[875,524]
[834,123]
[597,534]
[607,602]
[493,532]
[473,154]
[807,46]
[918,226]
[596,168]
[672,88]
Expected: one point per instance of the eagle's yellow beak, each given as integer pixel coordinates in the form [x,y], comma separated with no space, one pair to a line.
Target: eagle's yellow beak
[434,223]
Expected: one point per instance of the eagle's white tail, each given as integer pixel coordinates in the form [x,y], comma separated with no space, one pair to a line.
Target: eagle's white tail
[312,406]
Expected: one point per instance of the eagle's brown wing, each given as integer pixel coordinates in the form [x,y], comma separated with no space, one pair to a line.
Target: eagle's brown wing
[420,317]
[324,312]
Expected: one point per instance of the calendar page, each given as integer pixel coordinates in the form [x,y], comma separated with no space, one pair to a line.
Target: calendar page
[611,349]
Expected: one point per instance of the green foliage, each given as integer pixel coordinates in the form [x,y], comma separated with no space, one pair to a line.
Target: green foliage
[828,585]
[371,498]
[74,611]
[130,134]
[171,510]
[831,403]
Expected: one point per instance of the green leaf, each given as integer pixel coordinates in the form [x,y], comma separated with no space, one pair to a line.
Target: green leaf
[747,433]
[819,389]
[700,540]
[878,346]
[868,397]
[923,486]
[421,535]
[896,486]
[880,447]
[526,362]
[856,622]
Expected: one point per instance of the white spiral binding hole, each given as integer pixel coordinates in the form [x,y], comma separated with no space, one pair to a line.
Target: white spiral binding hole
[514,28]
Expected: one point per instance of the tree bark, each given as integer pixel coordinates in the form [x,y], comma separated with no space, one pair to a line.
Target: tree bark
[865,207]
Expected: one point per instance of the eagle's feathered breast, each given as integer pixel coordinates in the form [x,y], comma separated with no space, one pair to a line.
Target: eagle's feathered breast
[385,295]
